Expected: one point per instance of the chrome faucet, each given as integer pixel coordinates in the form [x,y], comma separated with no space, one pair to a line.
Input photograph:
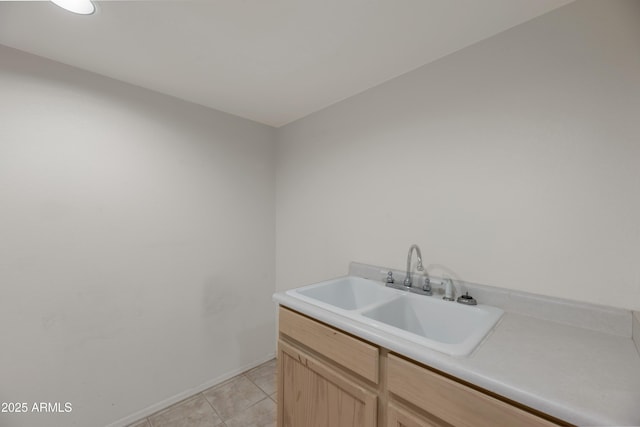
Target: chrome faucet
[408,281]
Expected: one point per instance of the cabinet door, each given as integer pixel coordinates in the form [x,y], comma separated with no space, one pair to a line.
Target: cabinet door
[400,417]
[312,394]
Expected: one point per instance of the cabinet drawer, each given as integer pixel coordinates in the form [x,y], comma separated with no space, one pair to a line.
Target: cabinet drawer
[352,353]
[400,417]
[451,401]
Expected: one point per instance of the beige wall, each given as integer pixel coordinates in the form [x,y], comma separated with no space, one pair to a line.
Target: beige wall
[136,244]
[137,239]
[512,163]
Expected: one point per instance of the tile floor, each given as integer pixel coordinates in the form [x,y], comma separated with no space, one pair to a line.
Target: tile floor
[247,400]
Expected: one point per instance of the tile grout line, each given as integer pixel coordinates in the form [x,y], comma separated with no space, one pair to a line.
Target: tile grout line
[269,396]
[236,378]
[254,383]
[213,407]
[248,408]
[223,421]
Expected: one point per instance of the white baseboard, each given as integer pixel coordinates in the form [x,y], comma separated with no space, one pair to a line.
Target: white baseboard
[137,416]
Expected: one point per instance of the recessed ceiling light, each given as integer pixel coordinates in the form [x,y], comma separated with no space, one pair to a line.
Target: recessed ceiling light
[82,7]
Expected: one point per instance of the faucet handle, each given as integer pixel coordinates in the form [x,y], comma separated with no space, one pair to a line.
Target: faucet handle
[426,286]
[390,278]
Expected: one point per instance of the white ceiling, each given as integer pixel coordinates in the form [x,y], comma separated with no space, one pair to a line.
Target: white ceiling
[272,61]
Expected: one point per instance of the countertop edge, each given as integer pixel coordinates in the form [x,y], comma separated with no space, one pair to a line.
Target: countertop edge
[600,318]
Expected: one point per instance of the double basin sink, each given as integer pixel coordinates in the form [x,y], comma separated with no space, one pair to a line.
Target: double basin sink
[429,321]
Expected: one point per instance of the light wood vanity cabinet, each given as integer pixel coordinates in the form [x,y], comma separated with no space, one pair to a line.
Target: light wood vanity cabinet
[328,378]
[314,392]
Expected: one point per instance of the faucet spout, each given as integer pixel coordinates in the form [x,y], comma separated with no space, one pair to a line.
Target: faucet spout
[408,280]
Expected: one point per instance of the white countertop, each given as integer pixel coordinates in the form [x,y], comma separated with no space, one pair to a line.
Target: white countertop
[578,375]
[582,376]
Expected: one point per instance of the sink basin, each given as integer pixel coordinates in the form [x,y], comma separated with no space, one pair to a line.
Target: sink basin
[426,321]
[445,326]
[346,293]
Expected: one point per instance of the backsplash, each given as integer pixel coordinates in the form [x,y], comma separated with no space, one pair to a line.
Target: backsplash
[636,330]
[600,318]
